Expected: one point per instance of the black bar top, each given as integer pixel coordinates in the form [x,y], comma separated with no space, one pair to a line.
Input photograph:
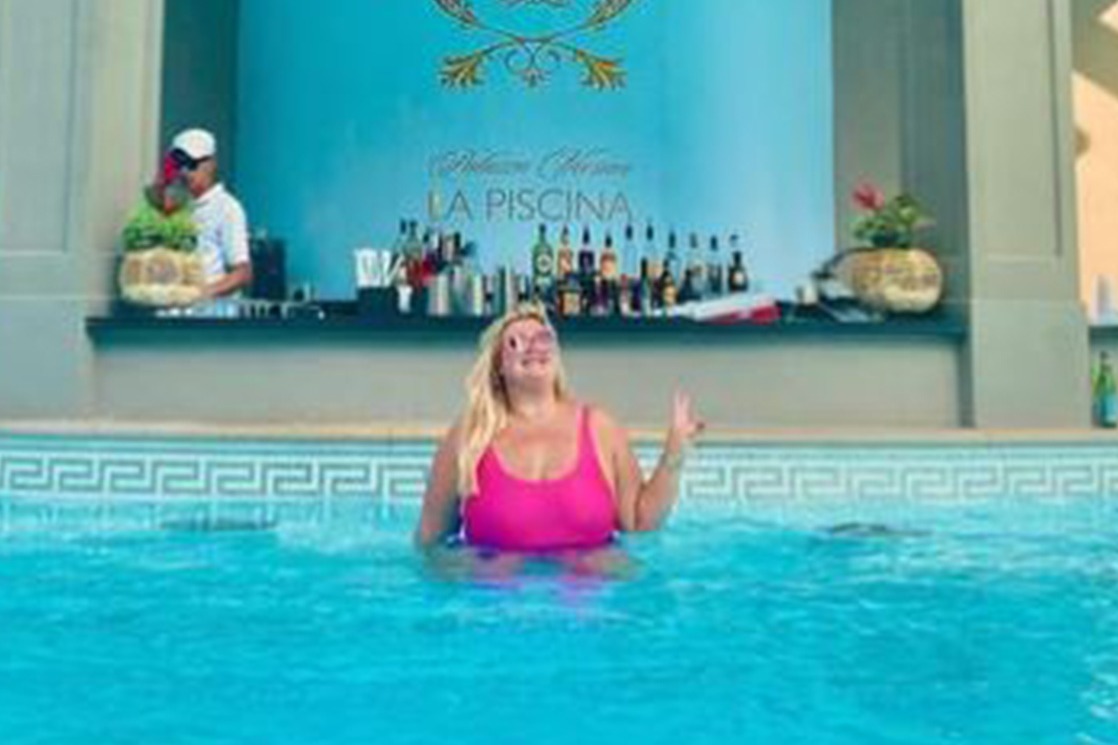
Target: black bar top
[340,321]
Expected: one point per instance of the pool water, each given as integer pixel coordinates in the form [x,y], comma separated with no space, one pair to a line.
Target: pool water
[792,623]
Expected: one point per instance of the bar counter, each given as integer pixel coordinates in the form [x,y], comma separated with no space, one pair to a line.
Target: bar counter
[346,370]
[340,321]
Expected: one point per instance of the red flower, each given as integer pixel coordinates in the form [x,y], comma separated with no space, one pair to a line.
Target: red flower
[869,197]
[169,172]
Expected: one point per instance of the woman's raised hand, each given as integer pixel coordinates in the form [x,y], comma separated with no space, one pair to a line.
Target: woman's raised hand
[685,426]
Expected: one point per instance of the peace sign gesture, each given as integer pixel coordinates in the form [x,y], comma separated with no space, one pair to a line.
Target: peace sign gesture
[685,426]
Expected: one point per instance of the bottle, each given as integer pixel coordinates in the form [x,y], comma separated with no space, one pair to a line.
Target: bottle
[599,297]
[399,247]
[629,253]
[671,257]
[687,291]
[565,257]
[625,295]
[696,268]
[1105,393]
[446,254]
[430,255]
[738,280]
[524,290]
[668,292]
[651,254]
[543,268]
[413,255]
[716,272]
[608,261]
[645,300]
[585,257]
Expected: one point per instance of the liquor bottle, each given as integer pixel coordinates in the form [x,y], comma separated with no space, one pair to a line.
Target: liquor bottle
[456,245]
[629,252]
[738,280]
[399,247]
[1106,395]
[668,292]
[646,290]
[445,251]
[543,268]
[687,292]
[608,261]
[413,255]
[625,297]
[671,258]
[651,254]
[430,255]
[716,271]
[599,297]
[570,297]
[696,268]
[585,257]
[565,257]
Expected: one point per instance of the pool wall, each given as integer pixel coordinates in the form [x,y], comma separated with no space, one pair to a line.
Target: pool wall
[393,471]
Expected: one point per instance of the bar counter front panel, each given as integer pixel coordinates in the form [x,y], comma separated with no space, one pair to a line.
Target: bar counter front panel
[803,371]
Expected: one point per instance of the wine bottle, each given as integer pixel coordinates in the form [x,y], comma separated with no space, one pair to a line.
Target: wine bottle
[738,280]
[651,254]
[565,257]
[716,272]
[1106,395]
[696,269]
[608,261]
[629,253]
[671,257]
[543,267]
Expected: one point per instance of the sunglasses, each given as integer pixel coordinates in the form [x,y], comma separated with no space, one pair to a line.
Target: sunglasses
[185,162]
[543,339]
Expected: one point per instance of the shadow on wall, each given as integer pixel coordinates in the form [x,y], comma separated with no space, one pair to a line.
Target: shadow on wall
[1095,86]
[1095,30]
[1095,24]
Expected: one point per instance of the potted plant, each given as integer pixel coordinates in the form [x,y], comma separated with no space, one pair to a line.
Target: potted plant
[160,266]
[887,272]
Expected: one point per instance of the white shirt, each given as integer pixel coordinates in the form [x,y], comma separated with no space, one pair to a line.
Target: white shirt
[222,232]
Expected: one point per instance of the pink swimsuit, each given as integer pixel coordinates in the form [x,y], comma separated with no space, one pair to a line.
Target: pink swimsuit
[573,511]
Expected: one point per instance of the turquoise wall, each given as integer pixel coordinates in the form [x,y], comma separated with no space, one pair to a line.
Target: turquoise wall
[725,124]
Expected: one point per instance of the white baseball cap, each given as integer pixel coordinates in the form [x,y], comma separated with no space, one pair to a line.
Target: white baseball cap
[196,143]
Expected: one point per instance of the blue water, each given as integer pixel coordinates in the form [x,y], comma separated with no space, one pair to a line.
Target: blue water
[952,623]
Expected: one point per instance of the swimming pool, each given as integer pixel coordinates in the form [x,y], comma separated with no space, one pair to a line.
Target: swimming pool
[298,621]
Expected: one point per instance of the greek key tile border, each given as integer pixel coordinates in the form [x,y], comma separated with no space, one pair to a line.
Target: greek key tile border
[393,473]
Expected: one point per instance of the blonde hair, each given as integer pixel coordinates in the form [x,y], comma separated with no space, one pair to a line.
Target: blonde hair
[487,404]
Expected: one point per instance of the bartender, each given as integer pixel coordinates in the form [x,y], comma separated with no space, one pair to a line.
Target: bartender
[222,226]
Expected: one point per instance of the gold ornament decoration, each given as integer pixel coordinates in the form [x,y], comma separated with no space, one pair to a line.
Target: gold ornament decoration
[534,57]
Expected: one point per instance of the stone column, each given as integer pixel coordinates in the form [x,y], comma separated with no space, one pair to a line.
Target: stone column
[78,107]
[1026,363]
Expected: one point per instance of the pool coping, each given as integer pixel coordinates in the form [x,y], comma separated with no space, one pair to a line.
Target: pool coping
[412,432]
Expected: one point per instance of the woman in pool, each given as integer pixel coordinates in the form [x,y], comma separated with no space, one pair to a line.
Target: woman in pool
[528,468]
